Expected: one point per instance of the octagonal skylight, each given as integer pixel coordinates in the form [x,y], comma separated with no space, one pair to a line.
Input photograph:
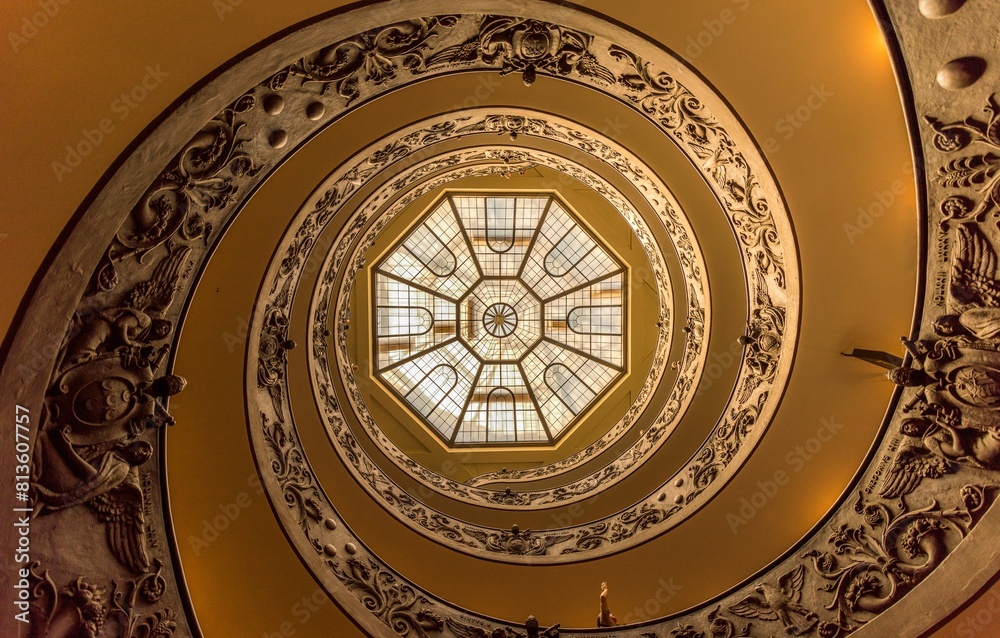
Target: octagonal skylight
[499,319]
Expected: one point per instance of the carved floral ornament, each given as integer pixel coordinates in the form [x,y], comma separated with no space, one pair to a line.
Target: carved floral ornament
[204,184]
[730,174]
[630,526]
[406,509]
[316,519]
[934,473]
[339,259]
[305,232]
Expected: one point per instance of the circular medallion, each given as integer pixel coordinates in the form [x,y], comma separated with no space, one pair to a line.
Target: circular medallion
[500,320]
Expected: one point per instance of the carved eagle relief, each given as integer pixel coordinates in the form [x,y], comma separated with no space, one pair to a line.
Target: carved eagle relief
[779,603]
[974,272]
[121,511]
[909,468]
[157,293]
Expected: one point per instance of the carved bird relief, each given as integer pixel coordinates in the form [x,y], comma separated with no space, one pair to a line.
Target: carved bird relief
[909,468]
[779,603]
[974,271]
[121,511]
[157,293]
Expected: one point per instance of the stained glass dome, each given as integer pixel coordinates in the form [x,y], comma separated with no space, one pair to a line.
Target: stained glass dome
[499,318]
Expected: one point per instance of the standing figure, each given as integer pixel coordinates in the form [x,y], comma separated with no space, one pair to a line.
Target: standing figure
[606,618]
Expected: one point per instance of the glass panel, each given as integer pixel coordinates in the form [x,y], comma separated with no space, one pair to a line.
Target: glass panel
[595,320]
[404,320]
[500,223]
[435,256]
[564,256]
[499,318]
[430,391]
[501,417]
[569,388]
[429,250]
[565,320]
[499,229]
[408,320]
[422,381]
[568,252]
[546,380]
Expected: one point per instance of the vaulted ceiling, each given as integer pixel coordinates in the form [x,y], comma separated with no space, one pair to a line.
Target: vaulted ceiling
[749,165]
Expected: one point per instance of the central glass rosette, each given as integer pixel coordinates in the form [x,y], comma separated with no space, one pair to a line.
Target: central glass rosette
[499,318]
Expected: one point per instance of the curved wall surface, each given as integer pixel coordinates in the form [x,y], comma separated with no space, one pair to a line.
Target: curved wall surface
[197,198]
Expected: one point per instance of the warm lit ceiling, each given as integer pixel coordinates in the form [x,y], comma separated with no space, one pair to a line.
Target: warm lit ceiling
[812,83]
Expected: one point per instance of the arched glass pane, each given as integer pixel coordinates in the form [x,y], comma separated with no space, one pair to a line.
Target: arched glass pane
[595,320]
[501,416]
[569,388]
[500,223]
[567,253]
[425,246]
[403,321]
[432,389]
[517,296]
